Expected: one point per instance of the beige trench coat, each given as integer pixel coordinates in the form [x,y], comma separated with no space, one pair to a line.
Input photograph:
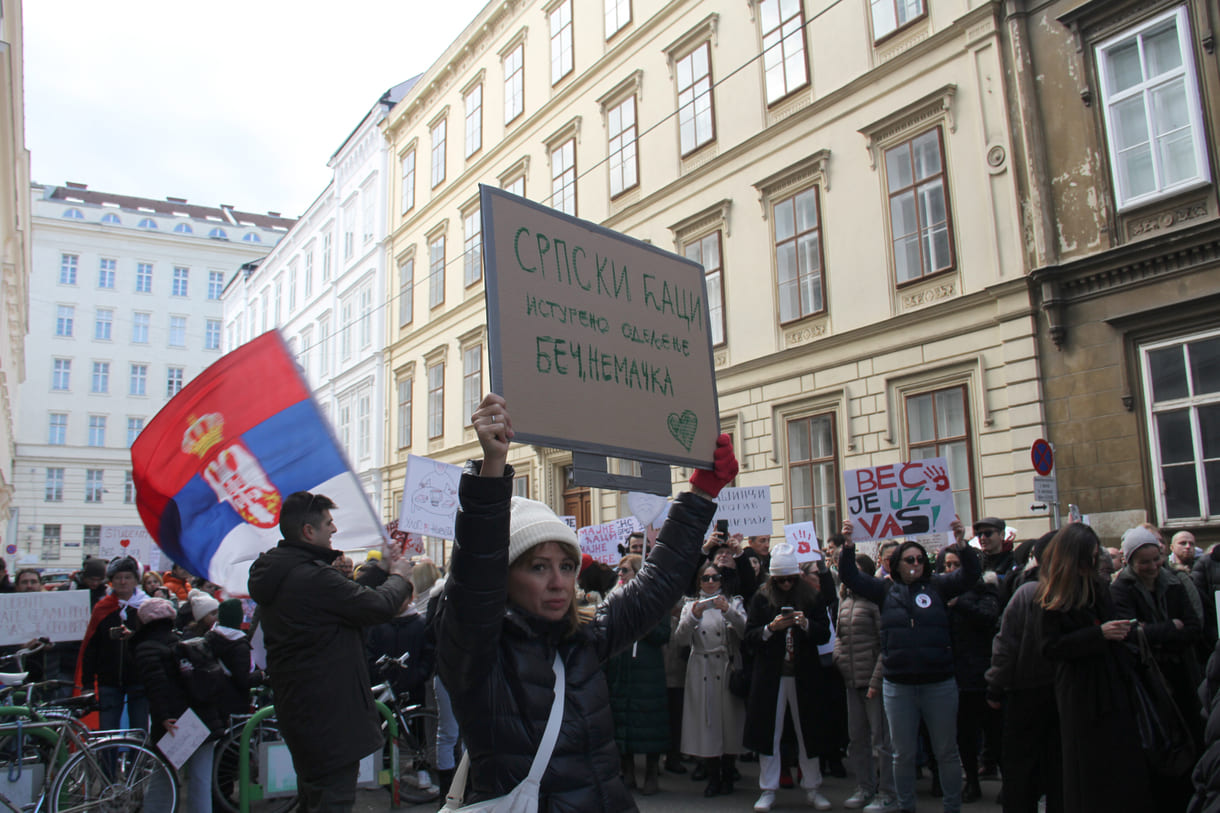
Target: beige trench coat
[712,718]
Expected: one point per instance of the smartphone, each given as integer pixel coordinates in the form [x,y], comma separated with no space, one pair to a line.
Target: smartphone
[116,632]
[786,610]
[722,528]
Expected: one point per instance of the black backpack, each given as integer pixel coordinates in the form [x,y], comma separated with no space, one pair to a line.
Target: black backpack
[203,675]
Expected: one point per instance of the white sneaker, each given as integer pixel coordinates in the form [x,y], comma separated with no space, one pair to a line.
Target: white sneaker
[882,803]
[763,805]
[858,799]
[817,800]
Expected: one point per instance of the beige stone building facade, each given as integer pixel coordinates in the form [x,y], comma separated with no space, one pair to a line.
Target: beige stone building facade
[844,173]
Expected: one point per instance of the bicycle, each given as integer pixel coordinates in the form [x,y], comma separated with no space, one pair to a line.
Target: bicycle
[416,736]
[225,766]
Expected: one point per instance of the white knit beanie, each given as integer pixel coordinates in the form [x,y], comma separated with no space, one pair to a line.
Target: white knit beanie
[532,523]
[783,560]
[201,604]
[1136,538]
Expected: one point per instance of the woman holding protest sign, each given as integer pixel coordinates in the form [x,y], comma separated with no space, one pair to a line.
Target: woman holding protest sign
[917,658]
[509,631]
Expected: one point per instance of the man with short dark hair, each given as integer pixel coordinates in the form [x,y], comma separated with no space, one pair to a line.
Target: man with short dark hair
[313,620]
[634,544]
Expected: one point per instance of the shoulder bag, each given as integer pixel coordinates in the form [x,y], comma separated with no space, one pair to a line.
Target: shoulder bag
[524,797]
[1164,737]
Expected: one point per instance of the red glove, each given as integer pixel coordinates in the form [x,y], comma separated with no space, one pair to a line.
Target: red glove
[724,468]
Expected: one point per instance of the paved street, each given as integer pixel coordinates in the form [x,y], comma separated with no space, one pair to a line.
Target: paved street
[679,793]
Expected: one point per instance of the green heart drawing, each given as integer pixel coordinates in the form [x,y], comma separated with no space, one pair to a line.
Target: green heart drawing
[683,426]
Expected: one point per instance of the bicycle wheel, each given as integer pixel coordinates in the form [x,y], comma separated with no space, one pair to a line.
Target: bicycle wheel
[115,776]
[226,792]
[417,756]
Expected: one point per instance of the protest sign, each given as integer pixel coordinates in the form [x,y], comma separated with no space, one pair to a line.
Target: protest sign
[129,540]
[58,615]
[747,508]
[569,520]
[430,497]
[900,499]
[804,538]
[407,544]
[647,507]
[599,343]
[602,541]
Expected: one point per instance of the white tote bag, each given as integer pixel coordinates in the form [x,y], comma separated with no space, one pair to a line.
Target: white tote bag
[524,797]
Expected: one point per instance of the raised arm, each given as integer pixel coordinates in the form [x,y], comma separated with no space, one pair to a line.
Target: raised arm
[866,585]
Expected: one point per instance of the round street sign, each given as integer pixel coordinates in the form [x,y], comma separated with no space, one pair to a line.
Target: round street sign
[1042,456]
[10,549]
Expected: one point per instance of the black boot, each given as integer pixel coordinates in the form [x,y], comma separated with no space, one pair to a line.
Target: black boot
[627,763]
[713,777]
[652,769]
[444,778]
[972,792]
[728,772]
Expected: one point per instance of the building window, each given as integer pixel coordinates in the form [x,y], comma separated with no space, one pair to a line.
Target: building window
[100,383]
[938,425]
[139,327]
[147,223]
[798,255]
[368,202]
[306,349]
[1182,393]
[561,41]
[516,186]
[438,153]
[144,278]
[695,113]
[105,273]
[327,251]
[54,491]
[345,426]
[57,429]
[139,379]
[324,346]
[436,400]
[563,177]
[134,427]
[50,542]
[94,485]
[64,318]
[406,291]
[472,380]
[618,14]
[183,228]
[211,335]
[783,41]
[436,272]
[408,181]
[521,486]
[813,472]
[173,381]
[364,441]
[102,324]
[177,331]
[624,163]
[251,237]
[349,229]
[366,318]
[345,330]
[61,374]
[218,234]
[129,488]
[67,268]
[474,120]
[181,279]
[514,83]
[890,15]
[706,252]
[1153,110]
[279,299]
[97,430]
[73,214]
[919,207]
[91,539]
[111,217]
[472,254]
[404,412]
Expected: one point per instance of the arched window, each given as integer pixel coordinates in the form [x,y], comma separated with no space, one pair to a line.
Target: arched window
[74,214]
[251,237]
[218,233]
[184,228]
[148,223]
[111,217]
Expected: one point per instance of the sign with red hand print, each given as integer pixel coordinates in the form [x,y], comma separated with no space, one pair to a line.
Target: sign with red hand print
[900,499]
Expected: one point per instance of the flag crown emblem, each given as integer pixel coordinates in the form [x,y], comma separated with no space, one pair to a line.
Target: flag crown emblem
[203,434]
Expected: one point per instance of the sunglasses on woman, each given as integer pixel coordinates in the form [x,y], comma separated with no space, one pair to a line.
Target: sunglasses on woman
[710,577]
[784,579]
[913,560]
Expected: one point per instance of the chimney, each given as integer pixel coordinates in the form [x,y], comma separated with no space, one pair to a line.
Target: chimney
[175,200]
[273,214]
[77,185]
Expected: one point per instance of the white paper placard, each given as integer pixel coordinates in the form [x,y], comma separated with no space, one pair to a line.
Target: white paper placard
[803,537]
[900,500]
[129,540]
[430,497]
[748,510]
[179,745]
[57,615]
[602,541]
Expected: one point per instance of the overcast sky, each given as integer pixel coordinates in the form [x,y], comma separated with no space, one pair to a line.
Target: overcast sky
[236,102]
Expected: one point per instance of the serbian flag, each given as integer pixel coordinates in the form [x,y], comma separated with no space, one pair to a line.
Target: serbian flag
[213,467]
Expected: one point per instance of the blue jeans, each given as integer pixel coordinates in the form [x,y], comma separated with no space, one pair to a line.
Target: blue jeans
[199,779]
[446,729]
[936,703]
[110,706]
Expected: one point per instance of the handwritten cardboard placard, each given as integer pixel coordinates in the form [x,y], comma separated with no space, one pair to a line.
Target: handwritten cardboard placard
[129,540]
[602,541]
[599,342]
[408,544]
[900,499]
[804,538]
[747,508]
[430,497]
[58,615]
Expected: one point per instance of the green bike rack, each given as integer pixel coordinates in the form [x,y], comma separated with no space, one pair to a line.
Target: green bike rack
[35,730]
[243,752]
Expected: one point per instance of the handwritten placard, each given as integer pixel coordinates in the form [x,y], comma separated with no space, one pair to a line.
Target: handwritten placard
[407,544]
[602,541]
[803,537]
[747,508]
[430,497]
[900,499]
[129,540]
[599,342]
[58,615]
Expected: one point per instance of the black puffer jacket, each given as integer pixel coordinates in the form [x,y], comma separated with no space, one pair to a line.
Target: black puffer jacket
[972,623]
[1206,776]
[496,660]
[916,643]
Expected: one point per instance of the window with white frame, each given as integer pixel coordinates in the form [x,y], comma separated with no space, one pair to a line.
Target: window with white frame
[95,484]
[91,539]
[65,316]
[144,273]
[134,427]
[404,411]
[308,273]
[177,331]
[306,351]
[103,323]
[436,271]
[472,380]
[54,490]
[100,382]
[1181,379]
[182,278]
[129,490]
[57,429]
[1153,110]
[216,284]
[516,186]
[349,229]
[696,116]
[438,153]
[105,272]
[366,317]
[347,318]
[563,177]
[514,83]
[813,472]
[364,433]
[406,291]
[436,400]
[173,381]
[618,14]
[97,430]
[139,327]
[561,40]
[623,161]
[51,535]
[706,252]
[919,207]
[785,67]
[277,319]
[211,335]
[473,103]
[891,15]
[139,380]
[324,346]
[345,424]
[61,374]
[327,252]
[368,201]
[938,425]
[798,255]
[68,263]
[292,288]
[408,180]
[472,249]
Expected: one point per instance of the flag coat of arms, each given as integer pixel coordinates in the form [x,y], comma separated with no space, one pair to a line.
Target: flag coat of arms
[213,467]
